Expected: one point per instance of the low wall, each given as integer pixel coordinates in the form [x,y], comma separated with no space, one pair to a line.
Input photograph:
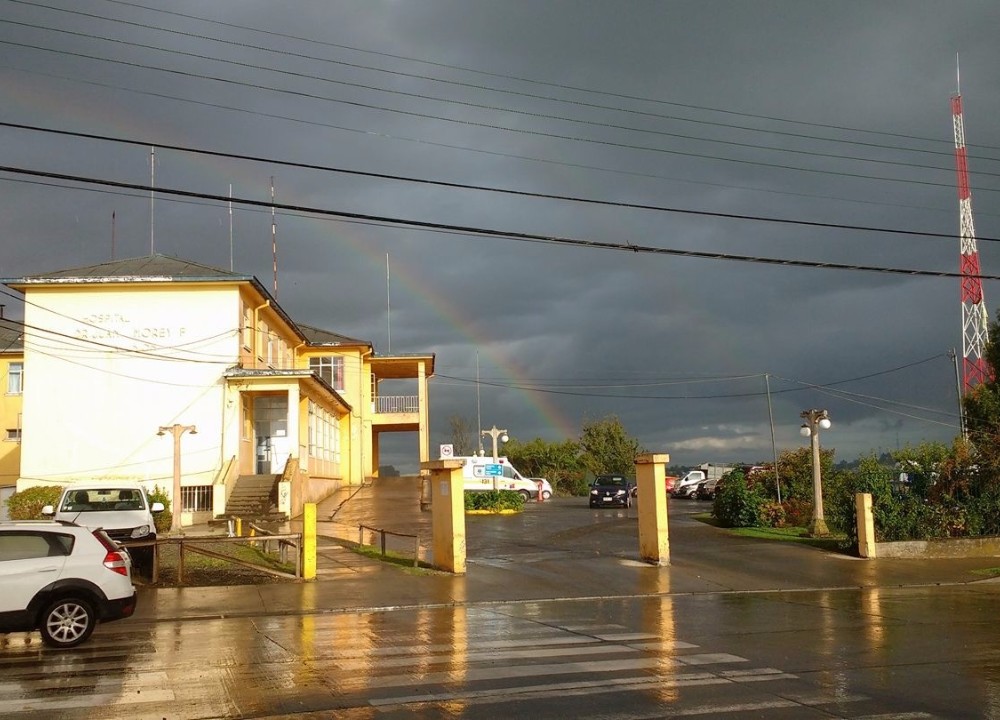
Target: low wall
[940,548]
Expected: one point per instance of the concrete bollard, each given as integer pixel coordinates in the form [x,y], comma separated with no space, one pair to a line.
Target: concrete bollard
[866,525]
[309,541]
[447,514]
[654,534]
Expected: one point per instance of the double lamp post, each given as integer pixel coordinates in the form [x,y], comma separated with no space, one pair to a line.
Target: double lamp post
[175,498]
[814,421]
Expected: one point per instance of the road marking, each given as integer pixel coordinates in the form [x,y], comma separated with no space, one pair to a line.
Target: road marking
[492,656]
[575,688]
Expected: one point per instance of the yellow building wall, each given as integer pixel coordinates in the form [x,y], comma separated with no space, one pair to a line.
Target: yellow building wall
[107,366]
[10,419]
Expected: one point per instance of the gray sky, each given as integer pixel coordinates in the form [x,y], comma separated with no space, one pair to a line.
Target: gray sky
[822,112]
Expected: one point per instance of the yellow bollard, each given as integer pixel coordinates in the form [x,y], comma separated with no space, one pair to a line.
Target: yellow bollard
[309,541]
[447,514]
[239,527]
[654,535]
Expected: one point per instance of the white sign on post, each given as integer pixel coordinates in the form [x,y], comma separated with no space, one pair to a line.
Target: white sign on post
[447,451]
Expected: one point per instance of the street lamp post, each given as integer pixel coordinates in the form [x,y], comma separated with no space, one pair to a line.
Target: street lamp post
[496,434]
[814,420]
[175,504]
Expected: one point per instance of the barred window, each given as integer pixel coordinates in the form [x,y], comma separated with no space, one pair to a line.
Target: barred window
[196,498]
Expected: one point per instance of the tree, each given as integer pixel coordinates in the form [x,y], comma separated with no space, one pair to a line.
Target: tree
[795,473]
[982,420]
[557,462]
[462,435]
[607,448]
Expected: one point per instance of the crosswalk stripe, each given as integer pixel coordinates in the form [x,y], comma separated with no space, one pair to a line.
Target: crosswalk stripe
[587,687]
[494,655]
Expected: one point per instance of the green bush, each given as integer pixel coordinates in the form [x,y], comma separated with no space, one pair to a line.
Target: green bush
[162,520]
[28,504]
[494,500]
[737,504]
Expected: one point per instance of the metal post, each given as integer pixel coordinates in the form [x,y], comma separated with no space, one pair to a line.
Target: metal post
[774,448]
[958,390]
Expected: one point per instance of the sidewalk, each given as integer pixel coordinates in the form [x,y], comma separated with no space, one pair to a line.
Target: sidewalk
[503,567]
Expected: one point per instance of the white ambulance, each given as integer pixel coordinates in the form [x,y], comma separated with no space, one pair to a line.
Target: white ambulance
[480,472]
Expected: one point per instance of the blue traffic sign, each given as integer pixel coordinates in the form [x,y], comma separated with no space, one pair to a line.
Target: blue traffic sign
[494,470]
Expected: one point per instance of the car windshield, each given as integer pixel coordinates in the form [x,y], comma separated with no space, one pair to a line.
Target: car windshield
[102,500]
[616,480]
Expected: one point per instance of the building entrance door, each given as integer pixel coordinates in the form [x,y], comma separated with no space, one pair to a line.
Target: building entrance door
[270,421]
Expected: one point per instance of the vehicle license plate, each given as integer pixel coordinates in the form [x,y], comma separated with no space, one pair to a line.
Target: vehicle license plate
[606,499]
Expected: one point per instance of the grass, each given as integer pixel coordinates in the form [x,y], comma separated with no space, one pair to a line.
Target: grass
[393,558]
[203,570]
[785,534]
[987,572]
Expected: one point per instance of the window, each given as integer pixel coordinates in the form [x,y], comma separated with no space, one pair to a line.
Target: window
[331,369]
[28,545]
[13,434]
[15,378]
[196,498]
[247,327]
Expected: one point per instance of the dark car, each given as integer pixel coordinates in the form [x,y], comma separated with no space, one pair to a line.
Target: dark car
[611,491]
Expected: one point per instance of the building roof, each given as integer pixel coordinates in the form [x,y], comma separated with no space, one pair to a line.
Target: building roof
[11,336]
[319,337]
[152,268]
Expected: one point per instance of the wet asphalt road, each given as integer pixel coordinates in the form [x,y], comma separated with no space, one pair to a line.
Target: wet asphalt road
[560,621]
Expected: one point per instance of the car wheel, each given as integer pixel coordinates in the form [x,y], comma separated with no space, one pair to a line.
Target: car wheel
[67,622]
[525,494]
[546,495]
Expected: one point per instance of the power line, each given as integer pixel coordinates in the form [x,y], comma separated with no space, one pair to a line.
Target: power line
[483,151]
[528,237]
[492,108]
[471,123]
[533,81]
[462,186]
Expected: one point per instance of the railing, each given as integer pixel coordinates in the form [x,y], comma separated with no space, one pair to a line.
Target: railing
[192,544]
[382,535]
[397,403]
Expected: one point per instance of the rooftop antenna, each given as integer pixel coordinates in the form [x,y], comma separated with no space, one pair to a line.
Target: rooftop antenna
[274,241]
[230,227]
[152,197]
[112,234]
[479,415]
[388,316]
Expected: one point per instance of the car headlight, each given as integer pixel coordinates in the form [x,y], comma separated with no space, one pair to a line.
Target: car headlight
[619,492]
[593,492]
[139,532]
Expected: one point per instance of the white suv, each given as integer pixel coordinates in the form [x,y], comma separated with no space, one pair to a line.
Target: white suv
[121,508]
[61,579]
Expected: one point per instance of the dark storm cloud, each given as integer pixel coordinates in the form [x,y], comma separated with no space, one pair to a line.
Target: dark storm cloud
[677,347]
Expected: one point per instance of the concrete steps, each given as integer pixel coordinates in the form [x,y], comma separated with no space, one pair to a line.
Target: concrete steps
[255,497]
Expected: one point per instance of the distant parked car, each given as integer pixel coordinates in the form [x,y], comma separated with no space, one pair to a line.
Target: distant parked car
[62,580]
[707,489]
[611,490]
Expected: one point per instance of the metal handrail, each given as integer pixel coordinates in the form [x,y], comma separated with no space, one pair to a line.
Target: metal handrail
[382,534]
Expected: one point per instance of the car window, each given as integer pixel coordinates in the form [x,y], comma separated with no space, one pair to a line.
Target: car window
[102,500]
[25,545]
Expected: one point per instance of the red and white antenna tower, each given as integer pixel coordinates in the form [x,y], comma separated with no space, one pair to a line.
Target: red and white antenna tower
[975,318]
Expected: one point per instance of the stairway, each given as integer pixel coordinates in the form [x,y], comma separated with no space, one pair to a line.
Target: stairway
[255,497]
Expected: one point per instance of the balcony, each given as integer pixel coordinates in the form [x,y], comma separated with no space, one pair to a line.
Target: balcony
[396,412]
